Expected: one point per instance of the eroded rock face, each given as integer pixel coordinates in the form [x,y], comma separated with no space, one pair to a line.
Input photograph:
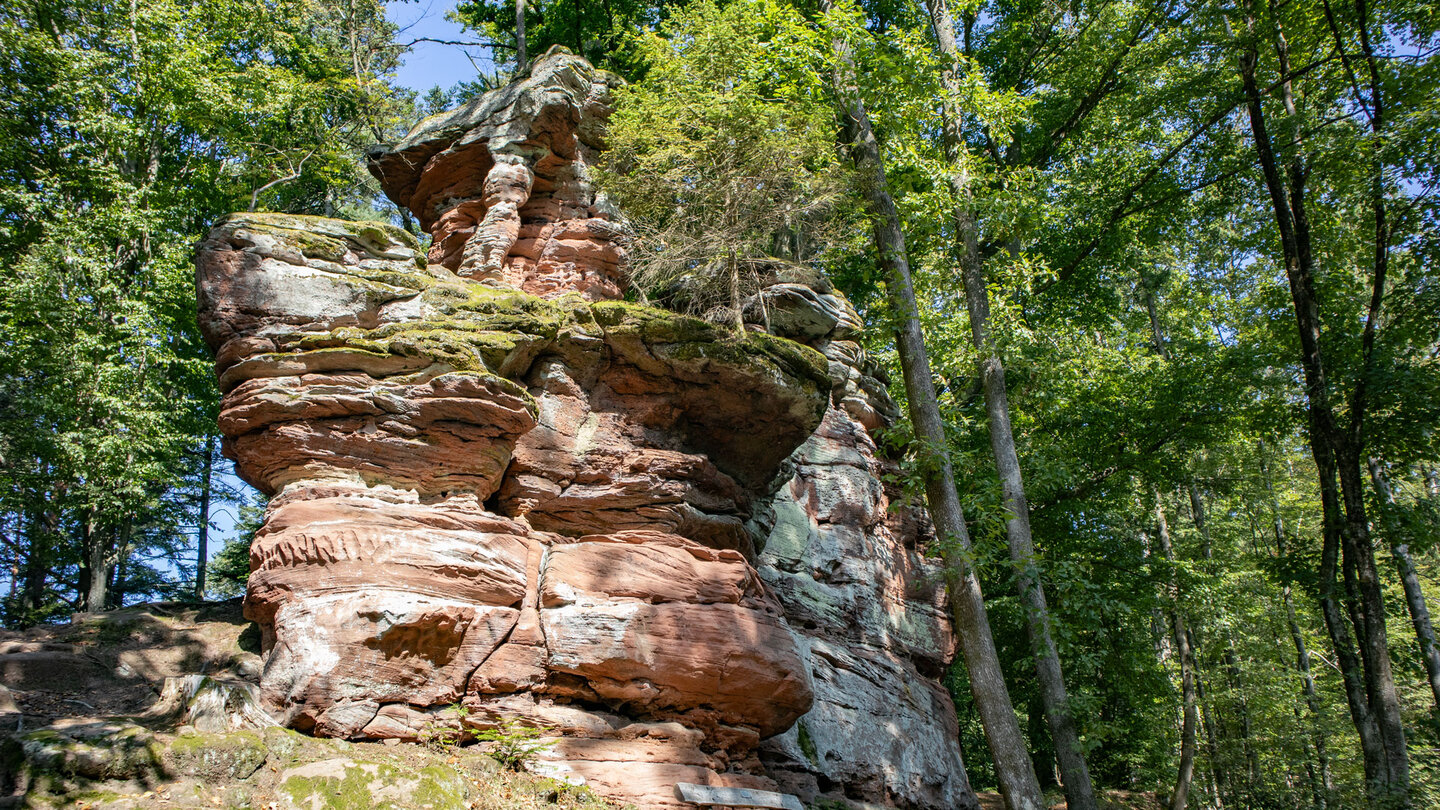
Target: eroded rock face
[843,551]
[495,487]
[483,497]
[502,183]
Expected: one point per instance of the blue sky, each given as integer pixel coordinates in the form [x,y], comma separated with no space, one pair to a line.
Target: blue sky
[429,64]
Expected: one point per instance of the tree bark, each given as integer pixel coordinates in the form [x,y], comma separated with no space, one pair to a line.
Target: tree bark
[116,597]
[1369,682]
[1410,579]
[43,530]
[1212,745]
[520,60]
[737,309]
[202,550]
[1232,667]
[1325,786]
[1180,794]
[1074,773]
[97,566]
[1013,767]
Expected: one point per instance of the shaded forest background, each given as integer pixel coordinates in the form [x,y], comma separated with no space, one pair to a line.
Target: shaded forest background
[1180,212]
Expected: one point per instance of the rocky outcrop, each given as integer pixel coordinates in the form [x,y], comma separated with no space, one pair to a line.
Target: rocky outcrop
[499,494]
[501,184]
[844,552]
[525,506]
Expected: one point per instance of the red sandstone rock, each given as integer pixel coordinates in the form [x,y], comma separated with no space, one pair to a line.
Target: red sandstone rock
[545,508]
[502,184]
[387,589]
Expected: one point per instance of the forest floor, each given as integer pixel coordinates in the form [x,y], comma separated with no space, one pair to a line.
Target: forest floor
[78,730]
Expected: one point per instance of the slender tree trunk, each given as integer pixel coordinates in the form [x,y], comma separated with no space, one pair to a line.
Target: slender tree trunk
[737,309]
[116,597]
[1013,768]
[1197,510]
[1324,786]
[1180,795]
[16,558]
[1312,701]
[1369,682]
[97,566]
[1212,746]
[43,529]
[579,45]
[1242,711]
[1302,650]
[202,550]
[1074,773]
[1410,579]
[520,60]
[1232,667]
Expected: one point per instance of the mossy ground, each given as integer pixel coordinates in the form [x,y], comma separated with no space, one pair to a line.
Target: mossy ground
[278,768]
[145,762]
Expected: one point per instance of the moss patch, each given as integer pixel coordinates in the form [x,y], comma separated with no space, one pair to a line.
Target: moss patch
[236,755]
[345,784]
[685,340]
[807,744]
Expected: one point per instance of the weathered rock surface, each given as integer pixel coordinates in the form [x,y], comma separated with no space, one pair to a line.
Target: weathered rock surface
[118,765]
[436,456]
[498,494]
[502,184]
[844,553]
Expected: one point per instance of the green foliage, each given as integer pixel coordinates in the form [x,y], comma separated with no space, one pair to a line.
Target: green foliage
[1138,301]
[229,568]
[127,129]
[601,32]
[724,157]
[512,743]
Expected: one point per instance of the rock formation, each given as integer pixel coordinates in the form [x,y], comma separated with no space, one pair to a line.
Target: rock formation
[498,492]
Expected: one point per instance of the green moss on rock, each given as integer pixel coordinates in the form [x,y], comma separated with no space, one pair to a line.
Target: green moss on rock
[101,750]
[235,755]
[353,784]
[643,331]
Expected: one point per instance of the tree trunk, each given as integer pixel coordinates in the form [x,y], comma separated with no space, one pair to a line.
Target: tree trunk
[116,596]
[1410,579]
[1321,791]
[1074,773]
[520,60]
[579,45]
[43,529]
[202,544]
[1369,682]
[737,309]
[1180,795]
[97,567]
[1212,745]
[1232,668]
[1312,702]
[1013,767]
[1242,711]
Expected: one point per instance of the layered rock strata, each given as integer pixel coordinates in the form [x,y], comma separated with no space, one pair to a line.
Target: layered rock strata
[497,493]
[523,506]
[501,184]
